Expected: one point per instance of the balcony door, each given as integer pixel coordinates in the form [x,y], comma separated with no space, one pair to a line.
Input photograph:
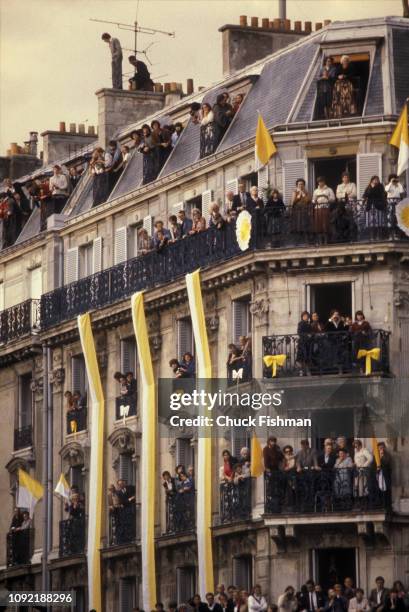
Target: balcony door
[333,565]
[329,296]
[36,289]
[332,168]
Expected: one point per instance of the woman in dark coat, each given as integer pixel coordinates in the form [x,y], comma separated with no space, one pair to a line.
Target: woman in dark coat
[273,213]
[375,200]
[304,342]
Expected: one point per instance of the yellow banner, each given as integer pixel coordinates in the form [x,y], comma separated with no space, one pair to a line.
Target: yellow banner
[204,468]
[148,469]
[96,424]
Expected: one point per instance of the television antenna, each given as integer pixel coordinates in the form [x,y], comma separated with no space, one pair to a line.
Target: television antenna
[137,29]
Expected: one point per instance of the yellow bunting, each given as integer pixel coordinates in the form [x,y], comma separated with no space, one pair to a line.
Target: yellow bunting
[369,355]
[148,454]
[96,462]
[256,463]
[375,451]
[272,361]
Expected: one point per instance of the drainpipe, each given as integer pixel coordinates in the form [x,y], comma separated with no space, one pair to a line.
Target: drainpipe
[44,561]
[49,453]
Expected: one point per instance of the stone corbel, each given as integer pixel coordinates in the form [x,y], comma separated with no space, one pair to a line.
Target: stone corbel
[212,324]
[260,309]
[57,378]
[122,441]
[277,534]
[155,342]
[381,532]
[365,533]
[36,385]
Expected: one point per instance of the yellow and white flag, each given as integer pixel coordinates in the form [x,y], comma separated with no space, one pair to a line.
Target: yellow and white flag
[63,488]
[400,140]
[256,463]
[264,147]
[30,491]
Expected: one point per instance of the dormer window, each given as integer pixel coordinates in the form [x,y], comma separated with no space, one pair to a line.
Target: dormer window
[342,85]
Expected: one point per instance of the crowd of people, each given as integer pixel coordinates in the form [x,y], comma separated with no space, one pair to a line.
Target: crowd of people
[76,405]
[214,120]
[127,383]
[338,89]
[184,368]
[180,499]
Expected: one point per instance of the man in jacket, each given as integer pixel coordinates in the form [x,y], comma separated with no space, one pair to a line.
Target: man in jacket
[116,55]
[272,455]
[141,80]
[378,596]
[241,199]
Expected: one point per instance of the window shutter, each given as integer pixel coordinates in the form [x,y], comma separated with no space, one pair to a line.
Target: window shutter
[368,164]
[72,262]
[262,182]
[76,477]
[207,198]
[242,572]
[185,337]
[292,170]
[239,439]
[97,255]
[78,374]
[232,185]
[185,584]
[177,207]
[148,224]
[121,245]
[125,469]
[184,452]
[240,319]
[127,589]
[25,400]
[128,355]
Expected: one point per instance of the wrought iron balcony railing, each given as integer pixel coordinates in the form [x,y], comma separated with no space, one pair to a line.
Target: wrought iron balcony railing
[321,491]
[235,501]
[77,420]
[124,524]
[326,353]
[19,320]
[23,437]
[125,406]
[72,537]
[20,547]
[311,225]
[180,513]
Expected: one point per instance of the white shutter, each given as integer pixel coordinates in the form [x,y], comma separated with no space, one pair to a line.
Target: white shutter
[185,337]
[240,319]
[1,296]
[207,198]
[292,170]
[185,584]
[78,374]
[97,255]
[72,264]
[262,182]
[368,165]
[184,452]
[232,185]
[36,283]
[121,245]
[128,356]
[148,224]
[177,207]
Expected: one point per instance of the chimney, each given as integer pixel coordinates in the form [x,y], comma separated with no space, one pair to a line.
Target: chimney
[33,140]
[189,87]
[245,44]
[58,144]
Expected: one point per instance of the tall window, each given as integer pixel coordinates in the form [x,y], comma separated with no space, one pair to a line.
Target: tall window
[78,375]
[242,572]
[241,318]
[184,452]
[185,584]
[126,468]
[185,337]
[127,594]
[25,401]
[128,355]
[86,253]
[77,477]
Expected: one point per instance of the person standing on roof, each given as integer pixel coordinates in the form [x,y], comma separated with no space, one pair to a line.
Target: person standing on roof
[116,53]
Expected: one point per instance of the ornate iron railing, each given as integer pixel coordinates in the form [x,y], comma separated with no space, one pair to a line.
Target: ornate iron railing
[20,547]
[23,437]
[311,225]
[77,420]
[326,353]
[180,512]
[235,501]
[72,537]
[19,320]
[125,406]
[124,524]
[326,490]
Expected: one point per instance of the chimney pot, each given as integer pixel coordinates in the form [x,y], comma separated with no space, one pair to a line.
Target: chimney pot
[271,25]
[167,87]
[8,152]
[287,25]
[308,27]
[62,126]
[81,128]
[277,24]
[91,130]
[297,26]
[157,87]
[14,148]
[318,26]
[189,87]
[327,22]
[254,22]
[243,20]
[73,128]
[265,22]
[180,87]
[173,87]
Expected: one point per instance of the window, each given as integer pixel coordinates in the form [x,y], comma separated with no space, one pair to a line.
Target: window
[184,452]
[242,572]
[77,477]
[127,594]
[25,401]
[240,438]
[133,231]
[193,203]
[328,296]
[128,355]
[126,469]
[85,260]
[185,584]
[250,180]
[241,318]
[78,375]
[332,168]
[185,337]
[79,599]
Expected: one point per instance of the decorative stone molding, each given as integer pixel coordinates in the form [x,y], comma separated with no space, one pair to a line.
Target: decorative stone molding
[212,324]
[260,309]
[57,378]
[20,462]
[102,357]
[401,299]
[73,454]
[123,441]
[36,385]
[155,343]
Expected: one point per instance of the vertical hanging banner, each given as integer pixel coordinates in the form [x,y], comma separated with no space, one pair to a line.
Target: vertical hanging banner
[96,416]
[204,468]
[148,468]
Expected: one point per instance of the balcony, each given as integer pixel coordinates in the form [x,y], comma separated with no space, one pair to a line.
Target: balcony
[124,525]
[19,320]
[323,491]
[235,501]
[325,353]
[125,406]
[210,247]
[77,420]
[180,513]
[23,437]
[72,537]
[20,547]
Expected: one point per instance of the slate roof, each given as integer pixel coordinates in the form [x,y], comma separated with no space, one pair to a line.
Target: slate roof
[374,95]
[400,40]
[31,228]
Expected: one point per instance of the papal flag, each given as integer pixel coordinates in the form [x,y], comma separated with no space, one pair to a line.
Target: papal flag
[265,147]
[256,463]
[63,488]
[400,140]
[29,492]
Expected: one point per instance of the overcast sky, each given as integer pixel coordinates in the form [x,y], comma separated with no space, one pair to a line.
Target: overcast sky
[52,59]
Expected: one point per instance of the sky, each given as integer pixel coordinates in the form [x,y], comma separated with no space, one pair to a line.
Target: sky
[52,58]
